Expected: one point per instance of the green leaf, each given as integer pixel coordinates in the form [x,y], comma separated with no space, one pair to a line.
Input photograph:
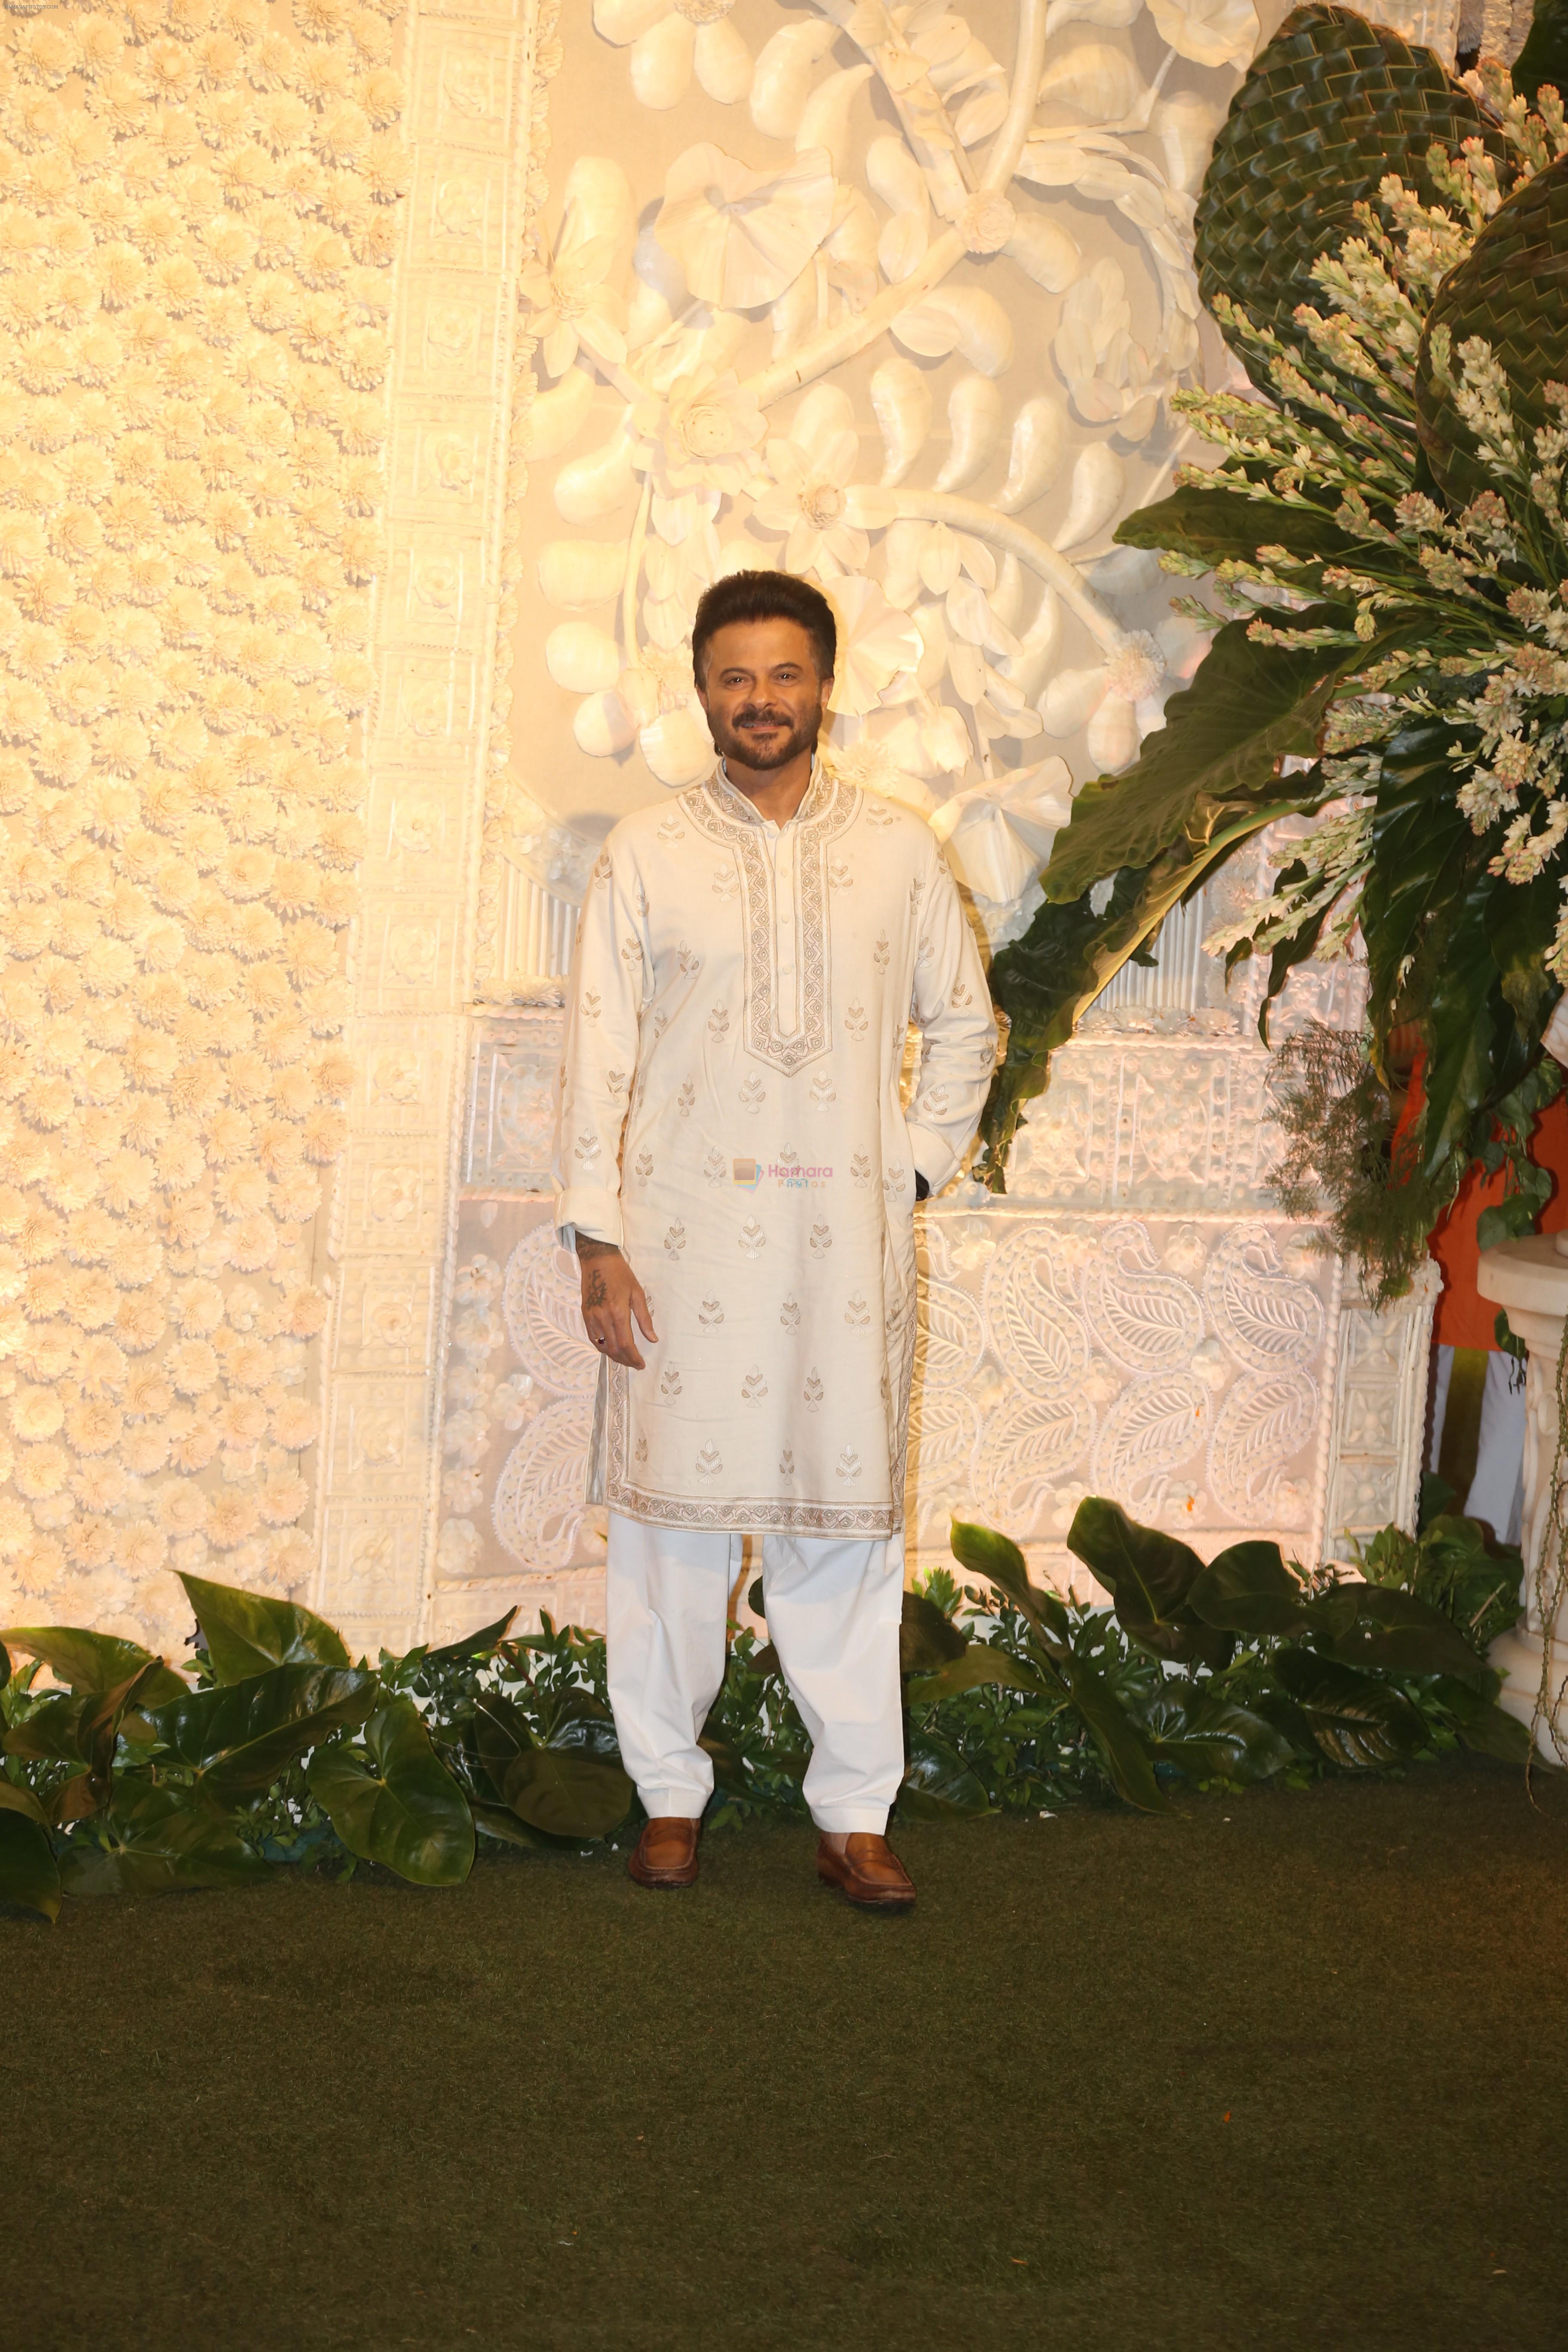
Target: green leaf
[1116,1737]
[1247,1589]
[98,1727]
[393,1801]
[1149,1575]
[1215,763]
[501,1823]
[1356,1722]
[1204,784]
[1482,1725]
[472,1645]
[570,1795]
[29,1874]
[1512,291]
[937,1785]
[94,1662]
[1543,60]
[50,1732]
[1221,524]
[1523,926]
[979,1665]
[1328,106]
[240,1737]
[246,1634]
[1399,1634]
[928,1638]
[1469,1030]
[1421,848]
[158,1840]
[1210,1737]
[501,1735]
[998,1559]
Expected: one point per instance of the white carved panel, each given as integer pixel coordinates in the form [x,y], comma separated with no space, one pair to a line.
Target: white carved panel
[474,122]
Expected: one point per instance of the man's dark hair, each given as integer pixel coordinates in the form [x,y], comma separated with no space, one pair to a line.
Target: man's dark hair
[764,596]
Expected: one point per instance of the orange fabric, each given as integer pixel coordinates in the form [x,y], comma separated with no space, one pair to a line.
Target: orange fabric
[1466,1320]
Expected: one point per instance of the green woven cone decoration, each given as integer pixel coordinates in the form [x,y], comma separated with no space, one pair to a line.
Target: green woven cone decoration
[1513,291]
[1331,106]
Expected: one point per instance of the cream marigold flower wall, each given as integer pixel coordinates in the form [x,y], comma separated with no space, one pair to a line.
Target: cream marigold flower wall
[198,216]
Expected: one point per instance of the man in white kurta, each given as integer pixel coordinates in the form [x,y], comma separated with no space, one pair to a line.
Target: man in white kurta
[730,1117]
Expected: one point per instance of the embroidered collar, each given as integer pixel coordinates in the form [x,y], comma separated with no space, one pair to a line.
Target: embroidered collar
[736,803]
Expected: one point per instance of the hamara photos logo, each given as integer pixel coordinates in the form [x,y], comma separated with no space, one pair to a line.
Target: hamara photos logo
[749,1174]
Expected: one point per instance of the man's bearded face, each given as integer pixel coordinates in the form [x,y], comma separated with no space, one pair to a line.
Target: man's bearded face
[762,693]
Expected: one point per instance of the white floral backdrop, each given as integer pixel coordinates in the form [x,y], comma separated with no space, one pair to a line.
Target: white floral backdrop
[378,391]
[198,216]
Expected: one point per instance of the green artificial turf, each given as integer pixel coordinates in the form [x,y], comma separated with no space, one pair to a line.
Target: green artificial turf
[1283,2070]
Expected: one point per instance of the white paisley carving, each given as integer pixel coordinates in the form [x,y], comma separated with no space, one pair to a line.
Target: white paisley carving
[1032,1444]
[1263,1420]
[542,1303]
[1142,1319]
[943,1432]
[1260,1311]
[1153,1427]
[1039,1335]
[539,1498]
[951,1338]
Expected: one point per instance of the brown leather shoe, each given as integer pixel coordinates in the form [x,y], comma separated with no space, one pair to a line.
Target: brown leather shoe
[868,1871]
[666,1854]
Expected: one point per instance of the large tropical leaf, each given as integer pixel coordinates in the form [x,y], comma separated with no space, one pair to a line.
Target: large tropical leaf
[1217,523]
[29,1874]
[1421,849]
[569,1794]
[980,1665]
[1213,766]
[1247,1589]
[1210,1737]
[94,1662]
[1483,1725]
[1355,1720]
[927,1637]
[563,1792]
[1139,843]
[1473,1049]
[1045,980]
[1543,60]
[246,1634]
[1328,106]
[239,1736]
[393,1801]
[1399,1634]
[1512,291]
[1149,1575]
[998,1559]
[471,1646]
[937,1785]
[1121,1745]
[155,1839]
[50,1732]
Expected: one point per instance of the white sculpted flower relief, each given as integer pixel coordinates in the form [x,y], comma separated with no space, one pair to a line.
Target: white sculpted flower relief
[900,230]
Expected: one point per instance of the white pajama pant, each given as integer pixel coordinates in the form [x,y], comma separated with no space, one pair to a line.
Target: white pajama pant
[833,1609]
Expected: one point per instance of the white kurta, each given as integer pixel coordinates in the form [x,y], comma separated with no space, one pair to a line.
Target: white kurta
[729,1114]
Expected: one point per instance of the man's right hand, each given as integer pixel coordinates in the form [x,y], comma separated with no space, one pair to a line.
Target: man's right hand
[612,1295]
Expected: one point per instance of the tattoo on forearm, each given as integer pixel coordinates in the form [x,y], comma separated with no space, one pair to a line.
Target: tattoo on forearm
[594,1294]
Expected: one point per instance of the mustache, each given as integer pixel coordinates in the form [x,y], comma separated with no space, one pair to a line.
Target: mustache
[755,714]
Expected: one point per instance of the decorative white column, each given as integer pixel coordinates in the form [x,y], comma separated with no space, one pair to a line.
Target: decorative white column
[1530,1279]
